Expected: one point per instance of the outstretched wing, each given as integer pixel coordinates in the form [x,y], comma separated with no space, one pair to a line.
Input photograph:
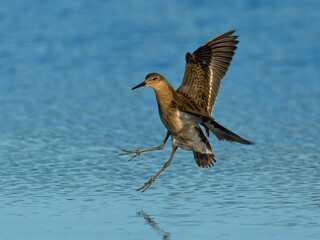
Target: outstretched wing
[205,69]
[221,132]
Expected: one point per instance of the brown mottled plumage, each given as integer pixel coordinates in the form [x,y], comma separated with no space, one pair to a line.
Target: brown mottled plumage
[205,69]
[182,111]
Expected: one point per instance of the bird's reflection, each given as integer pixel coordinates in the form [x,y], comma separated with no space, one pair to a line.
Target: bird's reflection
[165,235]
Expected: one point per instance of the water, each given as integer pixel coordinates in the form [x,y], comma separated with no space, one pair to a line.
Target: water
[66,111]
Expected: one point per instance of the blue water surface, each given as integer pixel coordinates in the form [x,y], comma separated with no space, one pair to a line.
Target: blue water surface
[67,111]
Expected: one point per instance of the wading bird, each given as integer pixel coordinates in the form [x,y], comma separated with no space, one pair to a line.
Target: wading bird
[182,111]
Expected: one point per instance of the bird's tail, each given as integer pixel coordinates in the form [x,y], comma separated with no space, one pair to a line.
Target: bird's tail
[204,160]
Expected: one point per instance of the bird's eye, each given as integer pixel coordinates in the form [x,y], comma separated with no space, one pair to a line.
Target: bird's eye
[153,79]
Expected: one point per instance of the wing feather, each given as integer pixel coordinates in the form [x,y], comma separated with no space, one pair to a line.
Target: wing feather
[205,69]
[218,130]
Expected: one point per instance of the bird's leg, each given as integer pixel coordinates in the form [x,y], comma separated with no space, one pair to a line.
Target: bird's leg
[138,152]
[148,184]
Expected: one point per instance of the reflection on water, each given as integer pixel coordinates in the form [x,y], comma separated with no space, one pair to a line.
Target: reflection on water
[165,235]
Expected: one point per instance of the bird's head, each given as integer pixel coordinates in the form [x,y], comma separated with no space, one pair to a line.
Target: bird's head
[153,80]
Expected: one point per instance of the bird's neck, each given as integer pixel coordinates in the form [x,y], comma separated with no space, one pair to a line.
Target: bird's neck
[165,94]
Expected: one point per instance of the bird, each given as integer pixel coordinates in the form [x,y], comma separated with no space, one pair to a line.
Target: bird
[185,110]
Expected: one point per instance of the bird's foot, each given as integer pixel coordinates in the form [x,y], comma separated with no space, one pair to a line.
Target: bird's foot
[146,185]
[136,153]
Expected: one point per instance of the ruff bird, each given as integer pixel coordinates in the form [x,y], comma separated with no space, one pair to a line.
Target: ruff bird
[184,110]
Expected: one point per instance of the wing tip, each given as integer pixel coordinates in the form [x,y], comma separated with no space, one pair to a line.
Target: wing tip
[247,142]
[231,32]
[223,37]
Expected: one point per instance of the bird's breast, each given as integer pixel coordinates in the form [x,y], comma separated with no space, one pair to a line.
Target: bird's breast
[172,120]
[184,131]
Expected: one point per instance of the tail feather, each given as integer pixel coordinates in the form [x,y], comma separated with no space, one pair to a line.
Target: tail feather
[204,160]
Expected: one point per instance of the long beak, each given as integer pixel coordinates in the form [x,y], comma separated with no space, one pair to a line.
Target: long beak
[139,85]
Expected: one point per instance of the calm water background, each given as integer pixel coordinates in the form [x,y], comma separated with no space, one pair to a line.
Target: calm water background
[66,111]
